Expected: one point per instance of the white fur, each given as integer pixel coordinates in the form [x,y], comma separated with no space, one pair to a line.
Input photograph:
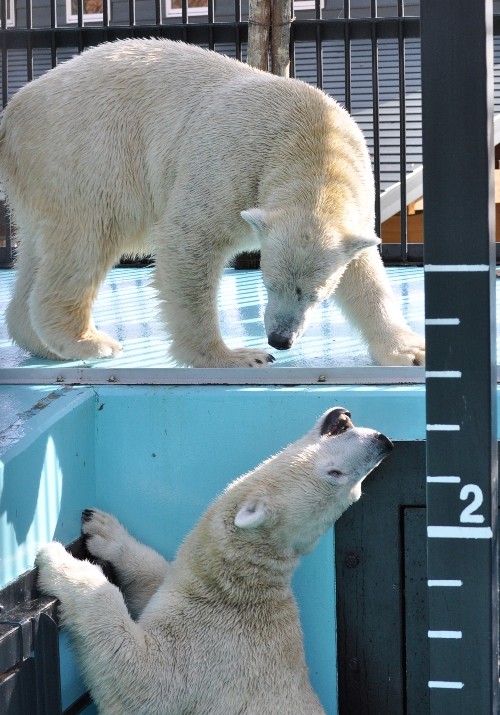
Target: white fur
[155,146]
[218,631]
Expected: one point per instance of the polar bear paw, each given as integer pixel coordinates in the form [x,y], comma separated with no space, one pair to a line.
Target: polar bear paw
[59,572]
[243,357]
[93,345]
[405,348]
[104,535]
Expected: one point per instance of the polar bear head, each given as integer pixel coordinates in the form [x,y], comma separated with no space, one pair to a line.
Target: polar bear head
[287,503]
[302,261]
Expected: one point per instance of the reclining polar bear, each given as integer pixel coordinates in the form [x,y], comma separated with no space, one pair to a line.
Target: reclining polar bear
[160,147]
[217,631]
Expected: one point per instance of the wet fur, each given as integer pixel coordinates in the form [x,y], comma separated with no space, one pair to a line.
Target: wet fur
[217,631]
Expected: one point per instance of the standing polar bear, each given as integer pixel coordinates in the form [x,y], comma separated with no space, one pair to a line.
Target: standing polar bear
[217,631]
[161,147]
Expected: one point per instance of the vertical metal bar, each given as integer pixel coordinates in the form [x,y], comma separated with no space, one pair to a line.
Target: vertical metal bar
[80,24]
[237,32]
[5,99]
[210,4]
[402,135]
[462,476]
[376,119]
[5,78]
[347,55]
[292,43]
[53,25]
[319,49]
[48,682]
[29,49]
[29,41]
[131,13]
[105,13]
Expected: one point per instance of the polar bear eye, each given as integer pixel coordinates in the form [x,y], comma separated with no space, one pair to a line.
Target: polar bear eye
[335,473]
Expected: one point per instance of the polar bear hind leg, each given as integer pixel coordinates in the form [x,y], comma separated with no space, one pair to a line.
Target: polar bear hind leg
[17,316]
[70,271]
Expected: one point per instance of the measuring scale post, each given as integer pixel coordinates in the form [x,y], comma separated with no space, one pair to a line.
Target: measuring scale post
[461,430]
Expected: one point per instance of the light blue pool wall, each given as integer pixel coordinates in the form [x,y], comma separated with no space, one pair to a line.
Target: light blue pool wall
[45,477]
[157,456]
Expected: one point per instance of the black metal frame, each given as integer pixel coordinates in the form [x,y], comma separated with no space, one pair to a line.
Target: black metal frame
[29,650]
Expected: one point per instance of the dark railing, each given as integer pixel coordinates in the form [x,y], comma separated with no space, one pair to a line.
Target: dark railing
[30,681]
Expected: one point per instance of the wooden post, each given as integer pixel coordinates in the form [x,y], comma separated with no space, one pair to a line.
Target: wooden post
[280,37]
[268,49]
[269,35]
[259,23]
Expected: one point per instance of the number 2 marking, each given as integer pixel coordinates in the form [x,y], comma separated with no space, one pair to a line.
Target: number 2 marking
[467,516]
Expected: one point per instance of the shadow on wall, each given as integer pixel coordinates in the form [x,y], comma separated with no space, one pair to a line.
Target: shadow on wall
[46,479]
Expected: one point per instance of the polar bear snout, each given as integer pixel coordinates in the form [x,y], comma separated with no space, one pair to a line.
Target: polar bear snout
[283,331]
[378,445]
[338,420]
[386,442]
[381,444]
[280,342]
[285,320]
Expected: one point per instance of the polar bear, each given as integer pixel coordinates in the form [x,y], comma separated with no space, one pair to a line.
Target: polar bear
[215,632]
[155,146]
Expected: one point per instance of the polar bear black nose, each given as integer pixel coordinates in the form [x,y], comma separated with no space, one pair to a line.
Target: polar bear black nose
[279,342]
[385,441]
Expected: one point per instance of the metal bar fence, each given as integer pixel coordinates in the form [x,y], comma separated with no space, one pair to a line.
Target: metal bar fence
[227,32]
[375,117]
[402,135]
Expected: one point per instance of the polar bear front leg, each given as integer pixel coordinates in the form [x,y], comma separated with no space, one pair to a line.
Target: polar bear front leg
[111,647]
[187,282]
[366,297]
[140,570]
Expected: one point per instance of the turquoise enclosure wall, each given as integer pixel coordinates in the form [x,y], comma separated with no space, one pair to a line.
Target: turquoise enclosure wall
[47,471]
[156,457]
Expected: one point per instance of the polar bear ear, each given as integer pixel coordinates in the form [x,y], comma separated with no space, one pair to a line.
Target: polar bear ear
[252,514]
[255,217]
[359,243]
